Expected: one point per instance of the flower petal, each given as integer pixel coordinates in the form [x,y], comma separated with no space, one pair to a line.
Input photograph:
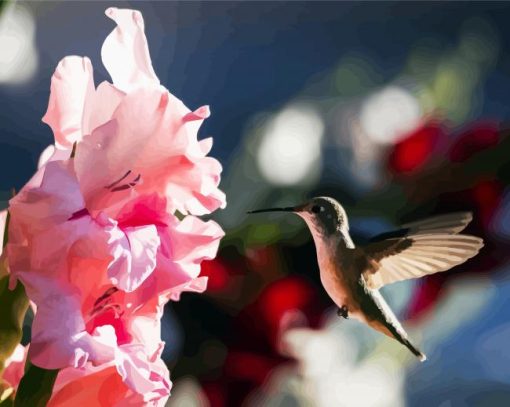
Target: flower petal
[72,88]
[3,220]
[125,52]
[159,154]
[196,285]
[103,386]
[199,114]
[194,240]
[58,342]
[150,379]
[136,258]
[145,210]
[89,386]
[183,247]
[50,197]
[106,99]
[145,327]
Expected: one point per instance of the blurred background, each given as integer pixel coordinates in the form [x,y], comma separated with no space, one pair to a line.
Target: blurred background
[397,110]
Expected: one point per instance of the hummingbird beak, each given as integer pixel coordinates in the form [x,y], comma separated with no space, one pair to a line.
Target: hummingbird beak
[287,209]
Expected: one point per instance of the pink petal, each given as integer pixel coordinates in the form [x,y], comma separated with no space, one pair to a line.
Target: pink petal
[103,386]
[3,219]
[93,250]
[72,87]
[125,52]
[138,363]
[194,187]
[145,210]
[150,379]
[95,174]
[206,145]
[60,342]
[52,153]
[50,197]
[64,267]
[183,247]
[159,154]
[200,114]
[135,259]
[196,285]
[145,328]
[91,386]
[64,249]
[46,155]
[194,240]
[106,99]
[121,150]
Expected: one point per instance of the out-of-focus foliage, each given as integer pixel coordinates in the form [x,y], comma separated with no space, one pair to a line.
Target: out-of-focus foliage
[3,3]
[13,306]
[391,150]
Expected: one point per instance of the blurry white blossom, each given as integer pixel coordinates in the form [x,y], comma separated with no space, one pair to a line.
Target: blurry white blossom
[290,150]
[389,114]
[18,56]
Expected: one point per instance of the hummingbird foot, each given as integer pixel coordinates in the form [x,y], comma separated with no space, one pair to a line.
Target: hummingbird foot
[343,312]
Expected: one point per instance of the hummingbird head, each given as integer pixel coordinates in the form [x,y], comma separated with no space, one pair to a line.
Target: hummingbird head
[323,215]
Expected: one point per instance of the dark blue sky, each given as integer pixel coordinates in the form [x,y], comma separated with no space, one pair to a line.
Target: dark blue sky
[241,58]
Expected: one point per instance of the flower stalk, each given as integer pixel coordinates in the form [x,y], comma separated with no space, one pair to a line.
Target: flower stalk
[35,387]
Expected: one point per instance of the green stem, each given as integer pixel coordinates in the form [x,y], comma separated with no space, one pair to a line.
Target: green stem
[35,387]
[13,307]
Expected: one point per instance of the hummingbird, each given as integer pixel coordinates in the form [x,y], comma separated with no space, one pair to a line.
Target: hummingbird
[352,275]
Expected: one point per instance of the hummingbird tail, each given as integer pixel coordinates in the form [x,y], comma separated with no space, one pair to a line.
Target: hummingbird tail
[400,335]
[389,324]
[420,355]
[384,320]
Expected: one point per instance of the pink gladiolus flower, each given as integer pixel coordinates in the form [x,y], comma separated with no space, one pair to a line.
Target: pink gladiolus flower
[109,276]
[133,133]
[93,237]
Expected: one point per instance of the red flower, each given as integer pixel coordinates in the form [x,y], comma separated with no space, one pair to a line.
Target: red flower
[282,296]
[217,273]
[414,151]
[487,196]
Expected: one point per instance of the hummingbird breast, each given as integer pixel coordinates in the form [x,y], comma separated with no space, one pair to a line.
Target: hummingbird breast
[335,272]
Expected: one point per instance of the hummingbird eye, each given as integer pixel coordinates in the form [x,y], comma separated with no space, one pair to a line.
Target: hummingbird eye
[317,209]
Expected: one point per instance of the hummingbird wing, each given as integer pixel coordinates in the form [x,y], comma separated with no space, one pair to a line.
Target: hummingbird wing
[419,248]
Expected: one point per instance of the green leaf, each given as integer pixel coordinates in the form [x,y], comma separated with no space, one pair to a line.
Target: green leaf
[13,307]
[35,387]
